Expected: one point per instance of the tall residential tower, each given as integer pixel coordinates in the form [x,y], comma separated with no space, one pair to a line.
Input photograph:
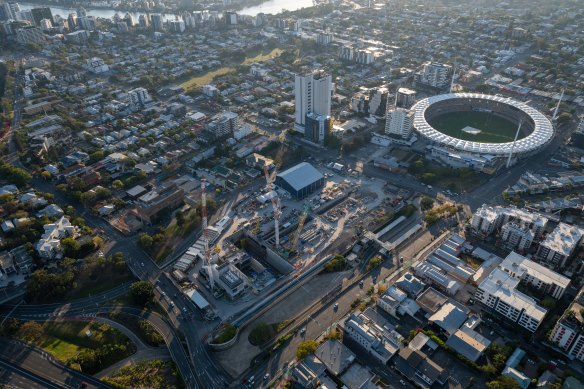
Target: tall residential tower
[312,95]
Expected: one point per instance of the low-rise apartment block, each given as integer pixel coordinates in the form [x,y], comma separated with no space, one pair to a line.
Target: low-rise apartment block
[516,236]
[559,245]
[568,333]
[488,219]
[377,340]
[498,292]
[536,275]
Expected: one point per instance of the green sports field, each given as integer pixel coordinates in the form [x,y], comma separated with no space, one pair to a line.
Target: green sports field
[493,129]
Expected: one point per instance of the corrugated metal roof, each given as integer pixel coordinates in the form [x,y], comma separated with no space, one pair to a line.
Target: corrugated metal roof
[301,175]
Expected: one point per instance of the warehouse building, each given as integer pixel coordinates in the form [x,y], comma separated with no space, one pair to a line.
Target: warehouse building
[300,180]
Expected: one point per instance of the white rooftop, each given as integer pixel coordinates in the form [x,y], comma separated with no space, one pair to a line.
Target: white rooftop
[521,265]
[563,239]
[502,285]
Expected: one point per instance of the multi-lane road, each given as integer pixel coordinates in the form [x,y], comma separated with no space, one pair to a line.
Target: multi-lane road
[23,366]
[197,368]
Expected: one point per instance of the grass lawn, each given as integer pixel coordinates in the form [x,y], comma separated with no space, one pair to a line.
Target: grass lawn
[60,349]
[493,128]
[454,179]
[263,57]
[64,340]
[206,78]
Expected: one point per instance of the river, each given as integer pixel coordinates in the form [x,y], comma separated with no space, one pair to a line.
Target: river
[268,7]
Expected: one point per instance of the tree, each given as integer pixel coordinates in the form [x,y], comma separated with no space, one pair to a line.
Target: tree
[30,331]
[117,184]
[70,246]
[46,286]
[145,241]
[426,203]
[45,175]
[96,156]
[261,334]
[142,292]
[11,173]
[503,382]
[337,263]
[180,219]
[97,241]
[306,348]
[564,117]
[373,263]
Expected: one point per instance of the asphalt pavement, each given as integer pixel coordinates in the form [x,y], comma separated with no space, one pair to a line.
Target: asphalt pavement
[25,366]
[199,370]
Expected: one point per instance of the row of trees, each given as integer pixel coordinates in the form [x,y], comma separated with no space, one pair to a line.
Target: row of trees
[15,175]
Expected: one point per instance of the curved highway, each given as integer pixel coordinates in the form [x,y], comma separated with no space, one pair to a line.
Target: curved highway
[207,373]
[26,366]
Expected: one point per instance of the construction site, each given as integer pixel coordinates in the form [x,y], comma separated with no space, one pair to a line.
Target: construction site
[273,235]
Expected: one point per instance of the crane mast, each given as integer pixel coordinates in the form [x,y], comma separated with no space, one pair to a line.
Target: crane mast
[275,206]
[207,253]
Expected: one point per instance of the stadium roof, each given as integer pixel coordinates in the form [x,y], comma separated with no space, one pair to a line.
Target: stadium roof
[543,131]
[301,175]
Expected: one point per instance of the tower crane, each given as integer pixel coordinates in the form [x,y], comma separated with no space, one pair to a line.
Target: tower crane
[207,253]
[275,205]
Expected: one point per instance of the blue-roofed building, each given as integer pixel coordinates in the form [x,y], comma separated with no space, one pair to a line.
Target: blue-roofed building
[300,180]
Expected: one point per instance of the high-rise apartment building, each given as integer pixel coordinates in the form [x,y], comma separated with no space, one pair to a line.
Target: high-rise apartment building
[317,127]
[176,25]
[144,21]
[223,124]
[516,236]
[487,219]
[156,20]
[8,11]
[399,122]
[312,95]
[405,98]
[39,14]
[139,96]
[46,24]
[29,35]
[434,76]
[72,21]
[86,23]
[500,290]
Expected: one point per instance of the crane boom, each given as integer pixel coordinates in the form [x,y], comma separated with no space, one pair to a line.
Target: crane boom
[301,221]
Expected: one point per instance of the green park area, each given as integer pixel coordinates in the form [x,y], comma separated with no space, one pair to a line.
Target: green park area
[147,374]
[86,346]
[492,129]
[464,179]
[208,77]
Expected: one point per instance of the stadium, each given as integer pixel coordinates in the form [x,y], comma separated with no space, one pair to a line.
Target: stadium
[472,129]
